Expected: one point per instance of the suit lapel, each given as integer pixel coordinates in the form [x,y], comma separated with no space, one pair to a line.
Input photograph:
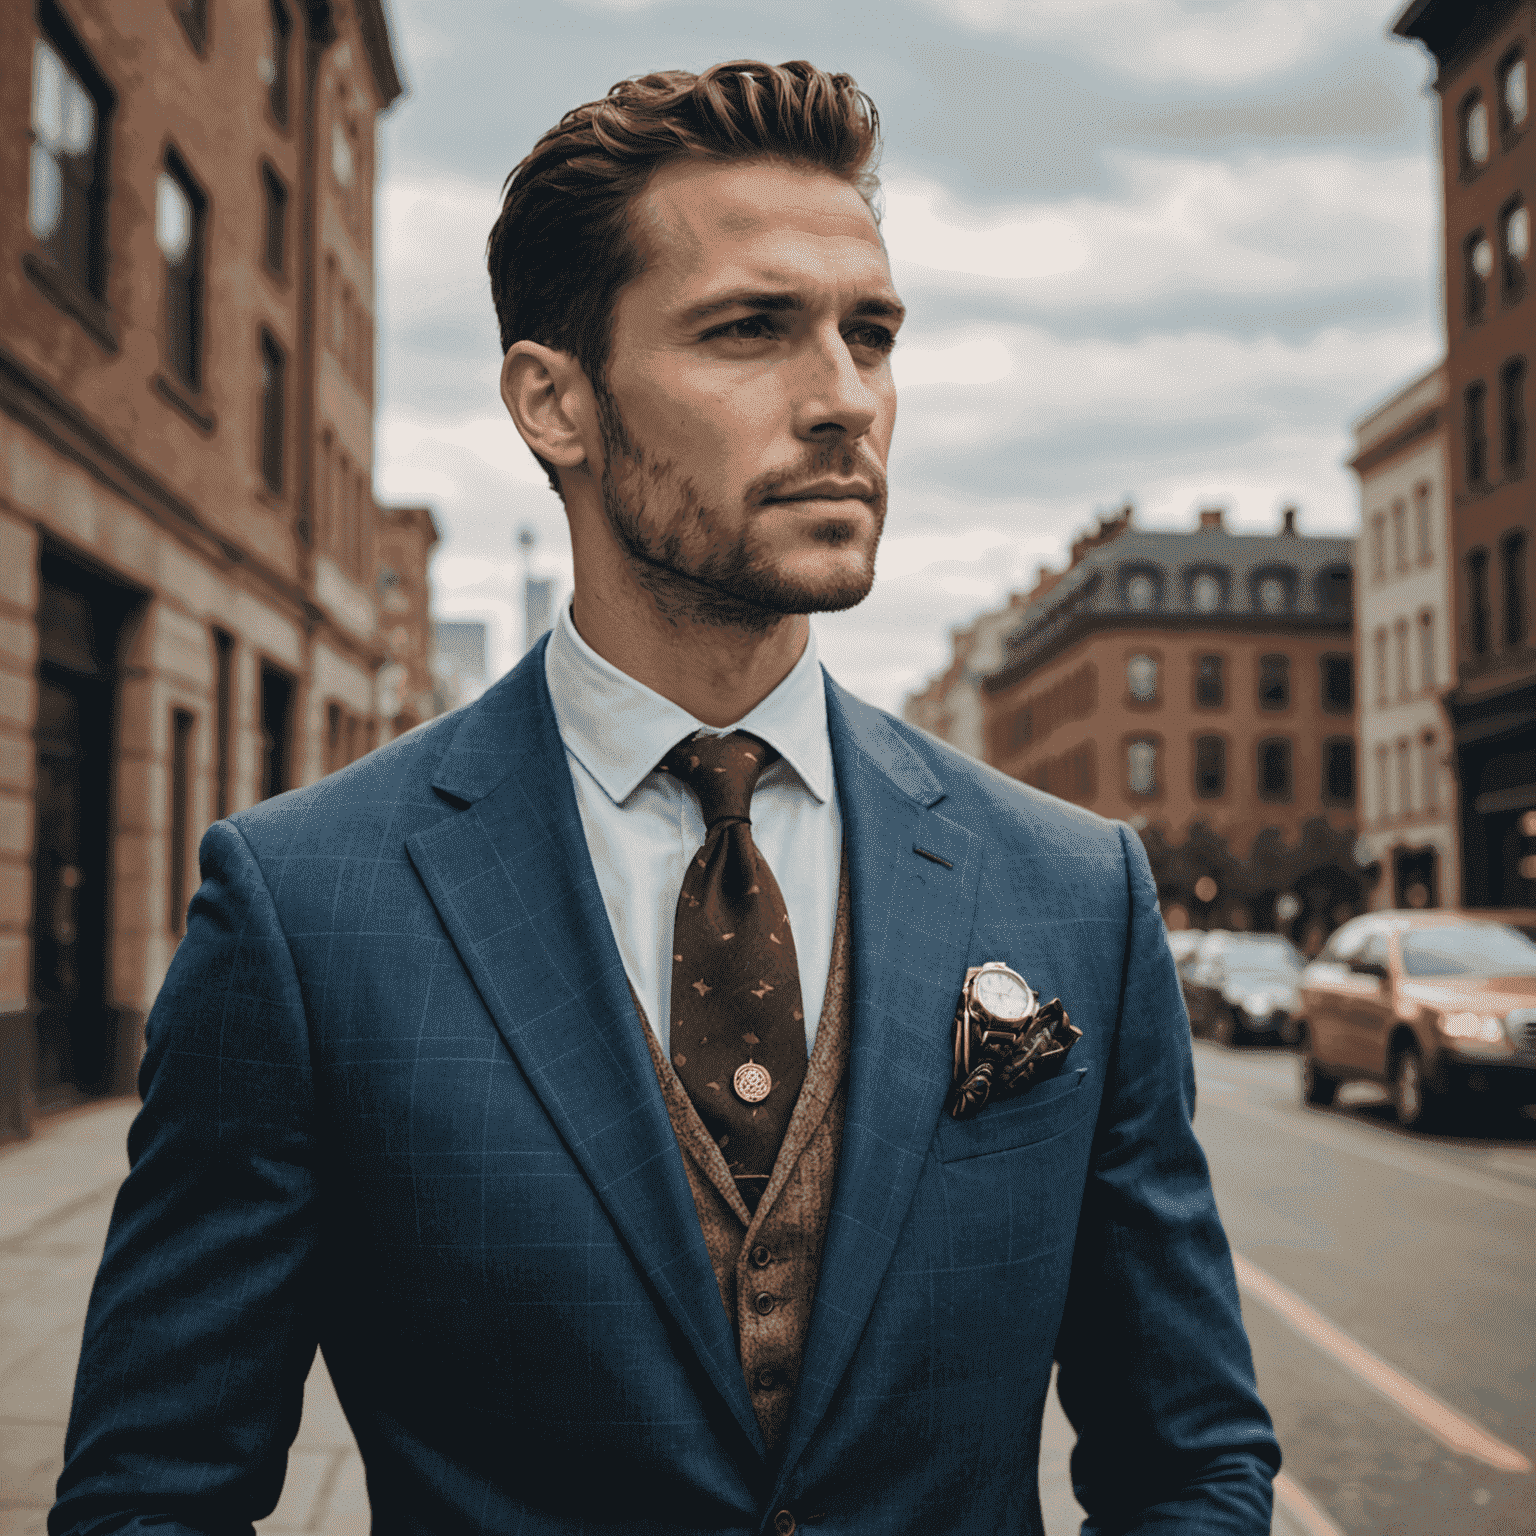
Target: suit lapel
[912,922]
[513,882]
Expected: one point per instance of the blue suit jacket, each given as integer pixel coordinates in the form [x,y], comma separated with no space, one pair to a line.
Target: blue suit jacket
[397,1102]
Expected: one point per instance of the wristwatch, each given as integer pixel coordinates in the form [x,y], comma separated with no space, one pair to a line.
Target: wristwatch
[996,1004]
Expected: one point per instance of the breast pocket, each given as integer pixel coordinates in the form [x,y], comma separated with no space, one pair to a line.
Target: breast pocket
[1036,1115]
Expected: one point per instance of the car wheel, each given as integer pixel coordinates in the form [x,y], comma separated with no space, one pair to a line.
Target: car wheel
[1417,1104]
[1316,1085]
[1225,1030]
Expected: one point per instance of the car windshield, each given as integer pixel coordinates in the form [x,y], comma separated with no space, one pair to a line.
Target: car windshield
[1468,949]
[1259,955]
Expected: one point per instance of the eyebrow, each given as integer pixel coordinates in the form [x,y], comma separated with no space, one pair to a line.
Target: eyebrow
[781,303]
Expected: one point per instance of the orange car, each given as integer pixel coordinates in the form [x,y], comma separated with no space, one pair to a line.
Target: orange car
[1440,1006]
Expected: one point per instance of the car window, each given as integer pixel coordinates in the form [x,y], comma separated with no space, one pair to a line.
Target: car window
[1347,942]
[1375,950]
[1264,954]
[1468,949]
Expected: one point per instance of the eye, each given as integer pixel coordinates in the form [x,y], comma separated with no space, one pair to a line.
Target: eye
[748,328]
[877,338]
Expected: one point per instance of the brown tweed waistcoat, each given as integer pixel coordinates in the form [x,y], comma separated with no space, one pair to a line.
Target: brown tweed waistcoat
[766,1264]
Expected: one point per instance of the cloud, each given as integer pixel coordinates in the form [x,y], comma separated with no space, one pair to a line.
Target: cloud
[1169,42]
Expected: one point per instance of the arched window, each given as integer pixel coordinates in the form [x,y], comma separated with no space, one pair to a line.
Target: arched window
[1512,548]
[1514,247]
[1475,145]
[1141,679]
[1275,768]
[1207,589]
[1477,268]
[1141,767]
[1512,416]
[1141,588]
[1274,589]
[1274,682]
[1513,100]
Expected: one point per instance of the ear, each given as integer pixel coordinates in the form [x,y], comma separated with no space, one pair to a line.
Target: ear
[551,404]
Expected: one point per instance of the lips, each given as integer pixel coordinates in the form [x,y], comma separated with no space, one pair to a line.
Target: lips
[828,490]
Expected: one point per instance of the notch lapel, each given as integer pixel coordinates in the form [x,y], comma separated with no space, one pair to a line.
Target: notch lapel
[512,880]
[912,923]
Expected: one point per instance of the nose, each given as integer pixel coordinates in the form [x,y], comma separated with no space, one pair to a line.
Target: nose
[836,400]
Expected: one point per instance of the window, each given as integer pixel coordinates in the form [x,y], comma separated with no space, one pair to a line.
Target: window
[1274,682]
[66,193]
[273,67]
[1512,558]
[1400,535]
[1143,591]
[1339,770]
[277,691]
[1380,640]
[1479,624]
[1476,412]
[1400,637]
[1338,683]
[272,411]
[275,197]
[223,720]
[343,161]
[1379,547]
[1141,767]
[1335,591]
[1515,245]
[1421,522]
[1207,592]
[1275,768]
[1274,590]
[1383,795]
[1477,269]
[193,16]
[1210,685]
[1512,416]
[1429,759]
[1141,679]
[1404,779]
[1210,767]
[179,217]
[1474,133]
[1427,668]
[182,724]
[1513,104]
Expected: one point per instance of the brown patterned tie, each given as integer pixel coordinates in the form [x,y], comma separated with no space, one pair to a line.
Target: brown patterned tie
[738,1028]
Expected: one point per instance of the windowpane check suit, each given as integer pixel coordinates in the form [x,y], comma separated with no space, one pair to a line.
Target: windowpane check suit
[398,1103]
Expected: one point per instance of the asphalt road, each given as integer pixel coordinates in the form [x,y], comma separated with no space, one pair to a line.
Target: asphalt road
[1368,1255]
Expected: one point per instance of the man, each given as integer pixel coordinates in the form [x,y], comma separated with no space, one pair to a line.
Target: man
[574,1070]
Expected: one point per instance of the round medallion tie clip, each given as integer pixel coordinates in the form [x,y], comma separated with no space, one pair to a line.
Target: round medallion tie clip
[752,1083]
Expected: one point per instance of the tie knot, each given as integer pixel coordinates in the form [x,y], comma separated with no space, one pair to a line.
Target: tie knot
[721,770]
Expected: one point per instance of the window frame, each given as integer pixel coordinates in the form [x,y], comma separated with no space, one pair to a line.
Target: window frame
[1333,748]
[275,199]
[1220,660]
[1475,284]
[1198,747]
[1514,549]
[279,87]
[1289,585]
[1475,435]
[189,276]
[1513,434]
[1509,130]
[1429,670]
[1220,574]
[1132,698]
[1512,280]
[1288,755]
[1283,671]
[1423,522]
[1327,661]
[1471,166]
[1128,574]
[272,438]
[1154,743]
[1479,603]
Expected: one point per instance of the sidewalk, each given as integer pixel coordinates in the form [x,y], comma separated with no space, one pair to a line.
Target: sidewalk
[56,1195]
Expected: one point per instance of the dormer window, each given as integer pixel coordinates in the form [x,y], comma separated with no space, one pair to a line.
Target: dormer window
[1274,590]
[1143,590]
[1208,591]
[1335,591]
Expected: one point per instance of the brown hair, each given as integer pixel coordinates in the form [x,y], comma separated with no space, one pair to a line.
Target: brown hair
[561,249]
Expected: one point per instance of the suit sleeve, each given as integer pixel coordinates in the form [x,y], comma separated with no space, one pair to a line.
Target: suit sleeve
[1155,1370]
[199,1337]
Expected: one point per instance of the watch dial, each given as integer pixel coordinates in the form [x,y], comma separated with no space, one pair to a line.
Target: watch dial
[1002,995]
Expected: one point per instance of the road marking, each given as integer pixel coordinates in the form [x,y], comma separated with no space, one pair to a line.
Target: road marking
[1450,1428]
[1342,1136]
[1303,1510]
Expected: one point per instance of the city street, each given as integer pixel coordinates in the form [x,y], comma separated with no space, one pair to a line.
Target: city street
[1385,1288]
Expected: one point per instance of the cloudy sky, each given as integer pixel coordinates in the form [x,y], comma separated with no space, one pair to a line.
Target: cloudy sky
[1151,250]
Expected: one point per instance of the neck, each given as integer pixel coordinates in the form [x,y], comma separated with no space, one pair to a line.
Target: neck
[716,672]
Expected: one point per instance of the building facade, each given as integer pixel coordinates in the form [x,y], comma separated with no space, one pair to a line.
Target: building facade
[1488,150]
[1409,823]
[408,681]
[188,609]
[1200,686]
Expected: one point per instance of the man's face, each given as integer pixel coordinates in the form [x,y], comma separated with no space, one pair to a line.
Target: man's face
[750,402]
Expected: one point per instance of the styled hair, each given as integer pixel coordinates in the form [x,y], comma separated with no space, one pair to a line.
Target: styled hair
[562,247]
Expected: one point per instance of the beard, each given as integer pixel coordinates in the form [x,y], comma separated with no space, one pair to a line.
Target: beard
[700,565]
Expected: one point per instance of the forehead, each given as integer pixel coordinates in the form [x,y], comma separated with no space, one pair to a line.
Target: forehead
[703,221]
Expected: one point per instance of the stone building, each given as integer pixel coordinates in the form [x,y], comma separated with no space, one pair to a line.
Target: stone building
[188,611]
[1488,151]
[1408,800]
[1201,686]
[408,681]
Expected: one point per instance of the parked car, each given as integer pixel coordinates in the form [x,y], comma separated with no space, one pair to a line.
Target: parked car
[1243,987]
[1439,1006]
[1183,942]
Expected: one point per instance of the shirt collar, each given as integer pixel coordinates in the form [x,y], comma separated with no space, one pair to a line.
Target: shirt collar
[618,729]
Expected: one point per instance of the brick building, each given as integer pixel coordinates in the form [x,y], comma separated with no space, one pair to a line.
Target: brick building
[1488,151]
[1201,686]
[408,681]
[1403,640]
[188,609]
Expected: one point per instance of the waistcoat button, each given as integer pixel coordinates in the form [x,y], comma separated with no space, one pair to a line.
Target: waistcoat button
[761,1258]
[766,1378]
[764,1303]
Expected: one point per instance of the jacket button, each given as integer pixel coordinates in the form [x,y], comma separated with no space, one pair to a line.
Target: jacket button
[784,1523]
[761,1258]
[764,1302]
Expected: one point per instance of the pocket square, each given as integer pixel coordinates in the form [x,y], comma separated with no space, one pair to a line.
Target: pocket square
[1005,1038]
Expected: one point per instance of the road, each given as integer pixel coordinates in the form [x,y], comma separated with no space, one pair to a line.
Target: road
[1419,1252]
[1386,1291]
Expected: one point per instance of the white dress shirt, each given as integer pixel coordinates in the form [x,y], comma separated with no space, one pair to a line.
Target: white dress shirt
[642,827]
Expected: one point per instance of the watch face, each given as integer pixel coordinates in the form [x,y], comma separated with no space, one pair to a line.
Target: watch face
[1002,994]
